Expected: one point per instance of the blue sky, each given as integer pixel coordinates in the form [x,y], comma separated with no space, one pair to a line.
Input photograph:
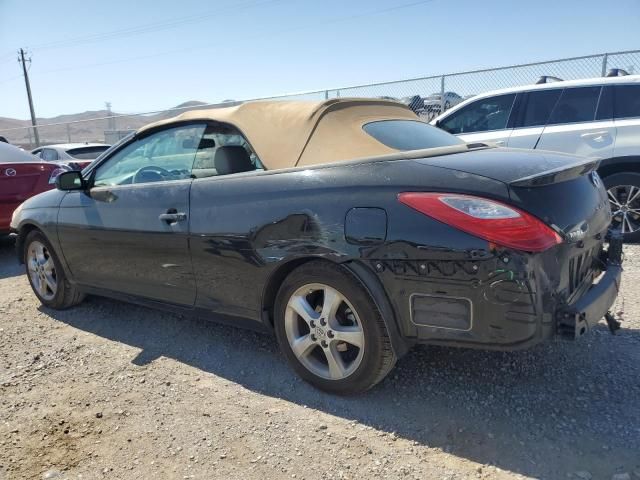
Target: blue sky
[171,51]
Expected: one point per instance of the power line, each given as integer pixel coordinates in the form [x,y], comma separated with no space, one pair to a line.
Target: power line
[10,79]
[150,27]
[277,32]
[125,60]
[6,56]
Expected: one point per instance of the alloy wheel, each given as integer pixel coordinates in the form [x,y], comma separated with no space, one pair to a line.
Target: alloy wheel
[625,207]
[324,331]
[42,270]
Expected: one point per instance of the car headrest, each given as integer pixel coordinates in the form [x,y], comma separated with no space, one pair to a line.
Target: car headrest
[206,143]
[232,159]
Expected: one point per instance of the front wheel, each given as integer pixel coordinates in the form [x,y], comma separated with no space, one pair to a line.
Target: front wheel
[45,273]
[623,190]
[330,330]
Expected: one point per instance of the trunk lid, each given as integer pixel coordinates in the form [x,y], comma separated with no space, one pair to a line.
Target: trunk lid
[21,174]
[515,166]
[562,190]
[19,181]
[577,207]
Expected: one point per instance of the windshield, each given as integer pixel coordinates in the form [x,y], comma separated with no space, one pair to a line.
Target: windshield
[409,135]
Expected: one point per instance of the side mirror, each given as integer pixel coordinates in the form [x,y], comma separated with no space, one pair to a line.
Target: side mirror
[67,181]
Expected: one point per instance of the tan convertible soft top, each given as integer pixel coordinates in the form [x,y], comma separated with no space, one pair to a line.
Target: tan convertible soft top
[287,134]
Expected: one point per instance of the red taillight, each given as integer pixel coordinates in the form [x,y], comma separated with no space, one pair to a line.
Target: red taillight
[494,221]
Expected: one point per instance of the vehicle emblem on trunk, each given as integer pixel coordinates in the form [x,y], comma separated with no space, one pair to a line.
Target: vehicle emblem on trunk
[578,233]
[10,172]
[595,178]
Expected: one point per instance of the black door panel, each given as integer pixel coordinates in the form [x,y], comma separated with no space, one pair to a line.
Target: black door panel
[118,239]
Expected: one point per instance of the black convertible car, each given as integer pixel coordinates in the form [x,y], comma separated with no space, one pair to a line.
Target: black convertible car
[349,227]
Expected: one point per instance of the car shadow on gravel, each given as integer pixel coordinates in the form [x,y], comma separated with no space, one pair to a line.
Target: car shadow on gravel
[568,404]
[9,266]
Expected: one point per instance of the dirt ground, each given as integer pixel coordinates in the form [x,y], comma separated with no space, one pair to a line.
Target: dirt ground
[114,391]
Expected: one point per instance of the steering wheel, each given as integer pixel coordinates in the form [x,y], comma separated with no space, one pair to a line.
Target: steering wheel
[160,174]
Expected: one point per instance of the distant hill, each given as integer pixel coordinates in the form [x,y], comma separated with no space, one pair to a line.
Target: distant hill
[82,131]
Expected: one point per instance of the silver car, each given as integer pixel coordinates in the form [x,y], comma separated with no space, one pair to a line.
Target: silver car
[75,155]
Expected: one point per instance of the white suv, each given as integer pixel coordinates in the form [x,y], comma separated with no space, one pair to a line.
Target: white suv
[598,117]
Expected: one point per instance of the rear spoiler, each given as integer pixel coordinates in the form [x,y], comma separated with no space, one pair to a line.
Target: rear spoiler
[560,174]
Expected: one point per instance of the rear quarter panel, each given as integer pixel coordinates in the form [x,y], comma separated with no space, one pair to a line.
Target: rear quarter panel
[245,227]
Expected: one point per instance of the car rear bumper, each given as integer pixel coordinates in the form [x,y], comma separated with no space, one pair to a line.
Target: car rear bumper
[6,210]
[510,302]
[578,318]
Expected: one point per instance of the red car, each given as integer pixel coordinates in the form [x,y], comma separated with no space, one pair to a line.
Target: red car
[22,175]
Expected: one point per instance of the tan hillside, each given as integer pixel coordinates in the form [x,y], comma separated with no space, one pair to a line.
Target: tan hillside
[81,127]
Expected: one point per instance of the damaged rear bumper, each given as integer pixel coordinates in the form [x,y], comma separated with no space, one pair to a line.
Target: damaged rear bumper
[505,301]
[578,318]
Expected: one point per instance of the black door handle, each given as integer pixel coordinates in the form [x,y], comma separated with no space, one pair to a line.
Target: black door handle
[172,216]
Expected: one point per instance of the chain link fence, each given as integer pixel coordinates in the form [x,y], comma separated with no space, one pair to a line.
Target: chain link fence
[427,96]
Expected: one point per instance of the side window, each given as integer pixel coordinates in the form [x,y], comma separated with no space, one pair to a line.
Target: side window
[49,154]
[626,101]
[161,156]
[605,104]
[480,116]
[576,105]
[536,108]
[223,151]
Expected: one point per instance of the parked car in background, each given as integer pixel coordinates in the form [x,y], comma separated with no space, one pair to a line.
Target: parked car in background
[22,176]
[76,155]
[436,101]
[368,231]
[415,103]
[595,118]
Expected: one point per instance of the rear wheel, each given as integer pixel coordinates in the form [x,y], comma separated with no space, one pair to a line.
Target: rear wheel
[45,273]
[623,190]
[330,330]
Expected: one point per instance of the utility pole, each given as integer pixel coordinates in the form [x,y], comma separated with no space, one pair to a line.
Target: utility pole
[26,82]
[111,124]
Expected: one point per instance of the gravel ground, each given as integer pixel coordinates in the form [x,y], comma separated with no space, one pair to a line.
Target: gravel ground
[115,391]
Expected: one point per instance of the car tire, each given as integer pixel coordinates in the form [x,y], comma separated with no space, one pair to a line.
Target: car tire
[619,185]
[46,275]
[341,343]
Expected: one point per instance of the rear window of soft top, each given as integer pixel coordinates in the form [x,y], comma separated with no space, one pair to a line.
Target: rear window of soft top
[409,134]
